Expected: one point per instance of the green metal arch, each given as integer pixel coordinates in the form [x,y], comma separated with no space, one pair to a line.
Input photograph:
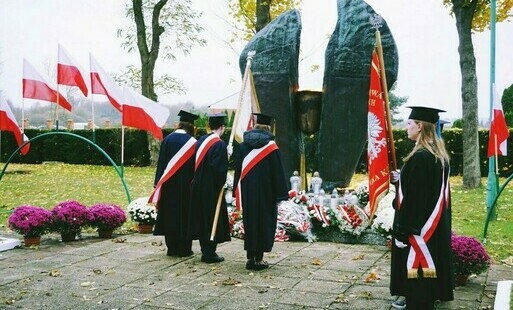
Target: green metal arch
[118,171]
[492,207]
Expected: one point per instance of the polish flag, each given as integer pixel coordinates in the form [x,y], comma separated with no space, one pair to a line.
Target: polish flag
[36,87]
[248,105]
[68,72]
[377,148]
[143,113]
[8,123]
[103,84]
[499,133]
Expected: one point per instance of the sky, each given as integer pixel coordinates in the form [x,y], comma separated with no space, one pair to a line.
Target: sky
[424,32]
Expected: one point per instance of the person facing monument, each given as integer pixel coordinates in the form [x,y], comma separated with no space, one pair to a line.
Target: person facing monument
[175,170]
[260,184]
[211,167]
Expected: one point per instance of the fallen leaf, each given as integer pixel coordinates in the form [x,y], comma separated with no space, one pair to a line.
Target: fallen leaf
[54,273]
[230,281]
[359,257]
[97,271]
[119,240]
[372,277]
[156,243]
[316,261]
[86,284]
[341,298]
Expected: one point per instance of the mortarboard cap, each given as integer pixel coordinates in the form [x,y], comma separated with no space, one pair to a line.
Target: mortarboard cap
[263,119]
[216,120]
[426,114]
[187,116]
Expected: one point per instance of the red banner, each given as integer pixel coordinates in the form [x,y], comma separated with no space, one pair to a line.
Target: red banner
[377,152]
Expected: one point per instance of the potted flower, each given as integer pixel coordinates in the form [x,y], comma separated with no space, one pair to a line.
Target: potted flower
[106,218]
[69,217]
[143,214]
[31,222]
[469,257]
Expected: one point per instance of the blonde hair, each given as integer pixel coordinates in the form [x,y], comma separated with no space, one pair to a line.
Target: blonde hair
[429,141]
[263,127]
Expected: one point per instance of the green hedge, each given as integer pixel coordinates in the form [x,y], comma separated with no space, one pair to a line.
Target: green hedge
[71,150]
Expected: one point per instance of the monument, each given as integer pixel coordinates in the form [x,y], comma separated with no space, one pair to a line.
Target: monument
[342,131]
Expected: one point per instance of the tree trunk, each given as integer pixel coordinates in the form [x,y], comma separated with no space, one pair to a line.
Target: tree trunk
[148,59]
[263,14]
[471,168]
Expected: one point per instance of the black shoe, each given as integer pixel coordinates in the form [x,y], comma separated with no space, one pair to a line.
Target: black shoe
[250,264]
[172,253]
[399,304]
[212,259]
[187,254]
[261,265]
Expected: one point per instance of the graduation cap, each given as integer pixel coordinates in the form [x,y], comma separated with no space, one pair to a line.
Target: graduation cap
[216,120]
[426,114]
[187,116]
[263,119]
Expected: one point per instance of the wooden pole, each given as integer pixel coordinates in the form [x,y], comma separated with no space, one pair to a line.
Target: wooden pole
[384,89]
[232,136]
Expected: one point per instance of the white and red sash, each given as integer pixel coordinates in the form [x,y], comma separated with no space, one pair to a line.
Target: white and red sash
[250,161]
[174,164]
[204,147]
[320,213]
[419,255]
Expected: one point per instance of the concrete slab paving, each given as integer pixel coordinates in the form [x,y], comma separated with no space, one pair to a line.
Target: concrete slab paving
[133,272]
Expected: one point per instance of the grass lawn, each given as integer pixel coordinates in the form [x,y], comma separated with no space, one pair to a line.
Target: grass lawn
[48,184]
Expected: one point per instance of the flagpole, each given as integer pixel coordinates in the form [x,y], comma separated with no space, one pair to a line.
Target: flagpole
[492,183]
[384,89]
[92,117]
[122,146]
[232,136]
[57,109]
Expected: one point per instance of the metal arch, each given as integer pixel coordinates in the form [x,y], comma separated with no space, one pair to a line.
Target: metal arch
[492,207]
[120,174]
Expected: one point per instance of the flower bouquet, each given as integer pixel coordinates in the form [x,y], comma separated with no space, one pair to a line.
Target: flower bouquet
[469,256]
[143,214]
[30,221]
[69,217]
[106,217]
[294,218]
[384,216]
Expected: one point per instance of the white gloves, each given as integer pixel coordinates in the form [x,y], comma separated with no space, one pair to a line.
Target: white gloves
[399,244]
[395,176]
[229,148]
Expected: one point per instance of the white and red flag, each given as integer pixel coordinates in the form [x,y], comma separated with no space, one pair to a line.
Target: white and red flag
[36,87]
[68,72]
[248,106]
[8,123]
[377,152]
[103,84]
[143,113]
[499,133]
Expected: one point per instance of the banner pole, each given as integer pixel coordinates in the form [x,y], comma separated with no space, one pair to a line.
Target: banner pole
[384,89]
[232,136]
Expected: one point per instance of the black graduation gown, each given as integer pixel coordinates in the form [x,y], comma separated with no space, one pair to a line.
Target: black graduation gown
[173,212]
[209,179]
[261,189]
[421,181]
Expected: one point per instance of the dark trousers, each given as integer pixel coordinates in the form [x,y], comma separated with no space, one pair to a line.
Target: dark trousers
[178,247]
[208,248]
[255,255]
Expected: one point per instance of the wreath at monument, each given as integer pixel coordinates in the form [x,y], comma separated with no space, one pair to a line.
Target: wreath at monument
[307,217]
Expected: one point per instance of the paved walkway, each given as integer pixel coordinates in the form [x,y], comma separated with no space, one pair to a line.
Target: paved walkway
[133,272]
